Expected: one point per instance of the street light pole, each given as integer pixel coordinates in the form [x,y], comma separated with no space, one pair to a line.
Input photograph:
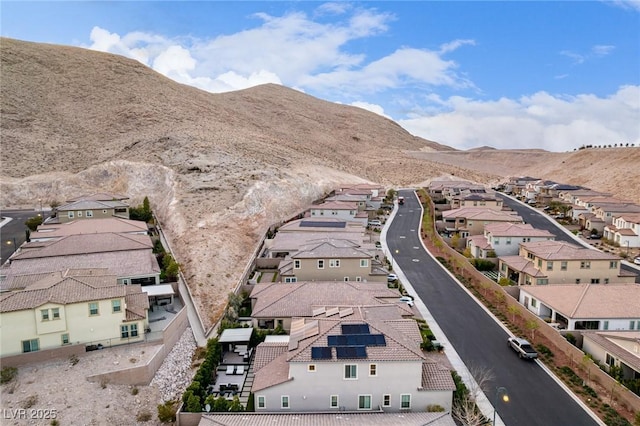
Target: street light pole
[501,392]
[15,246]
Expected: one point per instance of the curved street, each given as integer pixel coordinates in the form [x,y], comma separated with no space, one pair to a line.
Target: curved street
[481,343]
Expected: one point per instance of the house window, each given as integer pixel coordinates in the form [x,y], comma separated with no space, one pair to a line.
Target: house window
[542,281]
[333,212]
[508,240]
[351,371]
[539,263]
[405,401]
[606,280]
[364,402]
[386,400]
[609,360]
[549,266]
[585,264]
[55,313]
[291,279]
[261,401]
[88,213]
[346,279]
[496,241]
[364,263]
[605,325]
[333,401]
[320,263]
[296,264]
[124,331]
[595,280]
[284,401]
[534,303]
[93,309]
[613,264]
[115,306]
[44,313]
[632,325]
[358,279]
[334,263]
[563,266]
[311,368]
[32,345]
[134,330]
[70,215]
[65,338]
[373,370]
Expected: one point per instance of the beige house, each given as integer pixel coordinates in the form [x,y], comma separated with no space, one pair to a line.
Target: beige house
[615,348]
[77,306]
[624,230]
[96,206]
[276,305]
[585,306]
[339,365]
[331,260]
[503,239]
[129,256]
[116,225]
[472,220]
[557,262]
[482,200]
[345,210]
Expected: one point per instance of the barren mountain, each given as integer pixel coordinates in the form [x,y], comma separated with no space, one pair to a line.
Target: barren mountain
[220,168]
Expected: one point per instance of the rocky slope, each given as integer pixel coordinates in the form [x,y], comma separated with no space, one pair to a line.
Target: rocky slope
[220,168]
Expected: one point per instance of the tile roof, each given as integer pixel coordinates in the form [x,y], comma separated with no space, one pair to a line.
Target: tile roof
[272,371]
[331,248]
[477,213]
[328,419]
[507,229]
[480,241]
[607,340]
[292,241]
[336,205]
[436,377]
[349,197]
[137,303]
[586,301]
[92,226]
[301,225]
[91,205]
[122,263]
[277,300]
[84,244]
[520,264]
[66,290]
[560,250]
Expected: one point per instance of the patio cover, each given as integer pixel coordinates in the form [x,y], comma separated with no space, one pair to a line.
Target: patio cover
[158,290]
[234,335]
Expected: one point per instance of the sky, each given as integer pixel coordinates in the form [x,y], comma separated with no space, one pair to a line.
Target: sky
[555,75]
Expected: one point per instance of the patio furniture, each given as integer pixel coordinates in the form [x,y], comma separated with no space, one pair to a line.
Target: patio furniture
[240,369]
[230,369]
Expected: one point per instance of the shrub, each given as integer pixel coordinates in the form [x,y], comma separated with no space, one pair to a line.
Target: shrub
[8,374]
[73,359]
[30,401]
[144,416]
[167,412]
[134,391]
[33,223]
[542,349]
[54,422]
[570,338]
[193,404]
[483,265]
[435,408]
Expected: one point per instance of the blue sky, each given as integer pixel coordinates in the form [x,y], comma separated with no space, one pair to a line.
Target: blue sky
[554,75]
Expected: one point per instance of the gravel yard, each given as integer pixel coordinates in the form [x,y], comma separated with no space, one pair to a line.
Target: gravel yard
[59,390]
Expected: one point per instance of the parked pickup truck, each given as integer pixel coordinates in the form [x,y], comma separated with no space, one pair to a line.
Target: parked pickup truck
[522,347]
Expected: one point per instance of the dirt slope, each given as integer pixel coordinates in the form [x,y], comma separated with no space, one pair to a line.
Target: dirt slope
[220,168]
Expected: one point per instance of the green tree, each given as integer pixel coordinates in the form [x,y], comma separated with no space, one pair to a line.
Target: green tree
[235,405]
[33,223]
[532,326]
[171,267]
[514,311]
[193,404]
[221,404]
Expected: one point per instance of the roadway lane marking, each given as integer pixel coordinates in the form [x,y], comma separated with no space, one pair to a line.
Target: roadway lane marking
[416,247]
[402,236]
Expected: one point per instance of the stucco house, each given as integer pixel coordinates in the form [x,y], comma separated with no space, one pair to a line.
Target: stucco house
[75,306]
[558,262]
[331,259]
[349,365]
[615,348]
[55,231]
[95,206]
[129,256]
[585,306]
[503,239]
[345,210]
[468,221]
[624,230]
[475,199]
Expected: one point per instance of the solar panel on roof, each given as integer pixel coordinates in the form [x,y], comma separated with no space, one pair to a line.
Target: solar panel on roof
[316,224]
[355,328]
[343,352]
[320,352]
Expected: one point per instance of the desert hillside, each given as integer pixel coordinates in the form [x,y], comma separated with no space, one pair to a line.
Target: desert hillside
[220,168]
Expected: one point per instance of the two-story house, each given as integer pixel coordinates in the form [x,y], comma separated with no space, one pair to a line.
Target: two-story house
[503,239]
[619,349]
[482,200]
[585,306]
[331,260]
[339,210]
[472,220]
[71,307]
[624,230]
[558,262]
[94,206]
[349,365]
[117,225]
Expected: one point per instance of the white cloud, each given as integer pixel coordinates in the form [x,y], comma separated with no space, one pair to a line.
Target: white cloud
[554,123]
[602,50]
[371,107]
[625,4]
[597,51]
[455,44]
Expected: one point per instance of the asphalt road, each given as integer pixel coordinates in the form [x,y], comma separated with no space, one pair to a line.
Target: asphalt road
[535,398]
[15,229]
[541,221]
